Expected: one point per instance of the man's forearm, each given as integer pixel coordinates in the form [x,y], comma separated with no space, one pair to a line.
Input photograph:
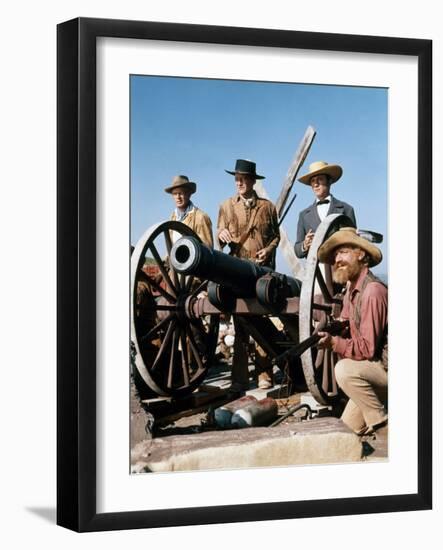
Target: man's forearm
[272,245]
[299,250]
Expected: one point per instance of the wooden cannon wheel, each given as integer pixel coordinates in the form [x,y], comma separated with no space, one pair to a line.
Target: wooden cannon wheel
[171,354]
[317,301]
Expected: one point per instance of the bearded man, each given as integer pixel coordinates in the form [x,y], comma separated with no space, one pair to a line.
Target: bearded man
[361,371]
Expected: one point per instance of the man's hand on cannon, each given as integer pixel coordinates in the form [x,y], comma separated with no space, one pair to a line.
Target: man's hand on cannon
[225,236]
[262,256]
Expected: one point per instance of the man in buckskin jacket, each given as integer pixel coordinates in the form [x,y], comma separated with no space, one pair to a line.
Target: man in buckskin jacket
[248,224]
[320,177]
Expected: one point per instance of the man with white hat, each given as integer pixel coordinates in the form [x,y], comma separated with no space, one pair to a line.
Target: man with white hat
[320,177]
[186,212]
[361,371]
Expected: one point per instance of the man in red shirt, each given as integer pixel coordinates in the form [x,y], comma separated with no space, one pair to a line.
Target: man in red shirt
[362,369]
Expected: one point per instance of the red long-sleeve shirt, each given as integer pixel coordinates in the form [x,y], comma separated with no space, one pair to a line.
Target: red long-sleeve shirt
[374,317]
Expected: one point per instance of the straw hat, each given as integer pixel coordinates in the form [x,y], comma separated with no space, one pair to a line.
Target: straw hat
[181,181]
[321,167]
[348,236]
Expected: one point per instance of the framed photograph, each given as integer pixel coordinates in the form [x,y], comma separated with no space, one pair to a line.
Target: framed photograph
[150,114]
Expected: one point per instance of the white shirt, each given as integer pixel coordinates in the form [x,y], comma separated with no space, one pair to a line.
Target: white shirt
[322,209]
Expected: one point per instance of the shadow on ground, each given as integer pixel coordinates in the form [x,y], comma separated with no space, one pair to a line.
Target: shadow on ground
[49,514]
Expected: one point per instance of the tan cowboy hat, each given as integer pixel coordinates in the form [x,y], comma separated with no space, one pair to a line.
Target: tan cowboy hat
[321,167]
[350,236]
[181,181]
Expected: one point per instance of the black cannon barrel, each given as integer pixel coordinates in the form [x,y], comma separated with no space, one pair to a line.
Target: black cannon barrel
[191,257]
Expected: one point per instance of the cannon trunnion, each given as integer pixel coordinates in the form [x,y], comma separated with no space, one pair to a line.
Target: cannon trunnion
[180,287]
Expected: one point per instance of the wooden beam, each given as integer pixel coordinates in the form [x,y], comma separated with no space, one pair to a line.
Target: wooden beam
[296,164]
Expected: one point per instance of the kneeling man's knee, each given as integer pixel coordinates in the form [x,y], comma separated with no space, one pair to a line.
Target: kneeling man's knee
[342,371]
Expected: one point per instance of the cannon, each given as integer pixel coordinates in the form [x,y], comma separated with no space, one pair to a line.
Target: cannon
[229,277]
[175,310]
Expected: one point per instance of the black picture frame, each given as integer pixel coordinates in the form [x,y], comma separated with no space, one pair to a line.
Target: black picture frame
[76,265]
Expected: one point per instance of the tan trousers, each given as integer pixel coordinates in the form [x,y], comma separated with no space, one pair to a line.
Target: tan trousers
[366,385]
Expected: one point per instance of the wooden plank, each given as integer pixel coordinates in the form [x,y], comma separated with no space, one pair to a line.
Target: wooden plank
[210,388]
[296,164]
[167,409]
[170,418]
[204,397]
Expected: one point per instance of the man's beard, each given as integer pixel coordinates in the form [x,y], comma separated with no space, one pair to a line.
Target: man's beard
[345,272]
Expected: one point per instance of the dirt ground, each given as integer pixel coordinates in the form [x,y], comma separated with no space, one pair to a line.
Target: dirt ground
[192,431]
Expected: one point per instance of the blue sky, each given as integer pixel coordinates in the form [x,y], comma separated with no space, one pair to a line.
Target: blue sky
[199,127]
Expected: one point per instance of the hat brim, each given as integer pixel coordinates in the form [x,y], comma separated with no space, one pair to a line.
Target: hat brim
[342,237]
[334,171]
[188,185]
[255,176]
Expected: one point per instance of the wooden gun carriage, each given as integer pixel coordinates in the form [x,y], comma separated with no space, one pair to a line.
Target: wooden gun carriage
[174,324]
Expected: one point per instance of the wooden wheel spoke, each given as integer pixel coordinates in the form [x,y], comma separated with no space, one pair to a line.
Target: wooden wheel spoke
[334,381]
[323,285]
[322,307]
[319,359]
[168,242]
[189,283]
[163,269]
[164,345]
[157,327]
[328,279]
[194,349]
[185,358]
[326,371]
[200,287]
[172,358]
[161,307]
[329,384]
[157,287]
[198,325]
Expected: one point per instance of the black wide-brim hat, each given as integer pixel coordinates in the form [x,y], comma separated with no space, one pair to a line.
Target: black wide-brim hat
[247,167]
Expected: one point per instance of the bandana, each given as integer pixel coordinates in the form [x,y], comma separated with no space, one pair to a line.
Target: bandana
[181,214]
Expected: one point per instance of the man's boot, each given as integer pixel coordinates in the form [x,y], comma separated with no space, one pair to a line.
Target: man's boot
[266,379]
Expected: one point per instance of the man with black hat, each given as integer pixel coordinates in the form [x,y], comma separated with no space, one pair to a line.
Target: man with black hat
[362,369]
[186,212]
[320,177]
[248,224]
